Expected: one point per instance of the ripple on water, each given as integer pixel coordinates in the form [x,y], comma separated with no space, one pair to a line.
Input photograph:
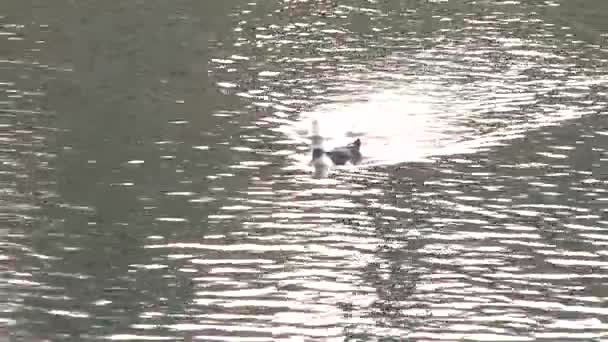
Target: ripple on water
[502,243]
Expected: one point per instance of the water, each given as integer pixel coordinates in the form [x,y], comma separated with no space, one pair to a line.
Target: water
[155,183]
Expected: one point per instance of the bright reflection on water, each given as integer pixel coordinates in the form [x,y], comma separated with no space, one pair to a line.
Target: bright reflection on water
[156,187]
[463,105]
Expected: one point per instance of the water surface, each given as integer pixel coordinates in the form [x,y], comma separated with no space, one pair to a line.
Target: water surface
[155,183]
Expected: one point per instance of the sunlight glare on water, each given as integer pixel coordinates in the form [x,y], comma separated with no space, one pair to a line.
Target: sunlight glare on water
[408,120]
[394,127]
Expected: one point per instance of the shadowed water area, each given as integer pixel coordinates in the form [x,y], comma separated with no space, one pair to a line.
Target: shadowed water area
[155,182]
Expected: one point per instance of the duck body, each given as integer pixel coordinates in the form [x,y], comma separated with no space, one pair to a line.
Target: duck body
[350,153]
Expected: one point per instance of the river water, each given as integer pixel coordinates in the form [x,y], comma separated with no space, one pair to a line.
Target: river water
[155,183]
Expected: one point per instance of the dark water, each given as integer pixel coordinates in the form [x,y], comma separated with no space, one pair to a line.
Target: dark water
[154,180]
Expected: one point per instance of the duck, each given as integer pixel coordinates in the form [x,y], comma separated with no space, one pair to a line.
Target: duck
[323,160]
[349,153]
